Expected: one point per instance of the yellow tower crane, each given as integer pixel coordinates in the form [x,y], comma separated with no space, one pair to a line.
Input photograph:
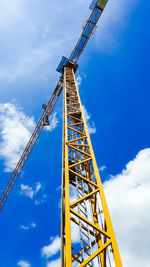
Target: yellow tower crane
[83,208]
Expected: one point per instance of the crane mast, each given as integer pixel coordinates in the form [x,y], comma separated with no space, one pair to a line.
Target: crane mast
[83,208]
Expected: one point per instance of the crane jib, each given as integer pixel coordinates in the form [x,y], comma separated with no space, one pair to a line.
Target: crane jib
[97,9]
[87,31]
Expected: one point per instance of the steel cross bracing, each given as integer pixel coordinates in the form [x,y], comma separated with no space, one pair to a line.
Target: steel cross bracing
[84,208]
[77,51]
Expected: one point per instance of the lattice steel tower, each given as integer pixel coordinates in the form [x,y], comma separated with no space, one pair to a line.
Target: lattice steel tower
[84,209]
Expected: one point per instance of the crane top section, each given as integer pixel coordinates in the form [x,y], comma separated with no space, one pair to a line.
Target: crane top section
[97,7]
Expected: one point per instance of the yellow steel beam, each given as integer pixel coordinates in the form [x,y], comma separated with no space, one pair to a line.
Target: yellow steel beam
[74,130]
[78,150]
[80,145]
[83,178]
[77,139]
[85,249]
[68,259]
[87,196]
[81,162]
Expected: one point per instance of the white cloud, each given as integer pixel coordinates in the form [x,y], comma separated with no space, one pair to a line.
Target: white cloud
[15,130]
[55,263]
[38,187]
[23,263]
[102,168]
[36,193]
[41,200]
[53,122]
[52,248]
[24,227]
[27,227]
[128,197]
[90,124]
[26,191]
[33,225]
[79,80]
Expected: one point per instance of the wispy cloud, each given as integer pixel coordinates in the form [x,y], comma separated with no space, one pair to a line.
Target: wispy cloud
[28,227]
[30,191]
[23,263]
[15,130]
[38,187]
[102,168]
[36,192]
[90,124]
[40,200]
[128,200]
[79,80]
[53,248]
[27,191]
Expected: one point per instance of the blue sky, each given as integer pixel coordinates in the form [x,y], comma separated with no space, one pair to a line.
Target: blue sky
[114,80]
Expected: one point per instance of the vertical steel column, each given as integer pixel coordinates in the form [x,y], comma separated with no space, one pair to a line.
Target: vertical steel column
[87,215]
